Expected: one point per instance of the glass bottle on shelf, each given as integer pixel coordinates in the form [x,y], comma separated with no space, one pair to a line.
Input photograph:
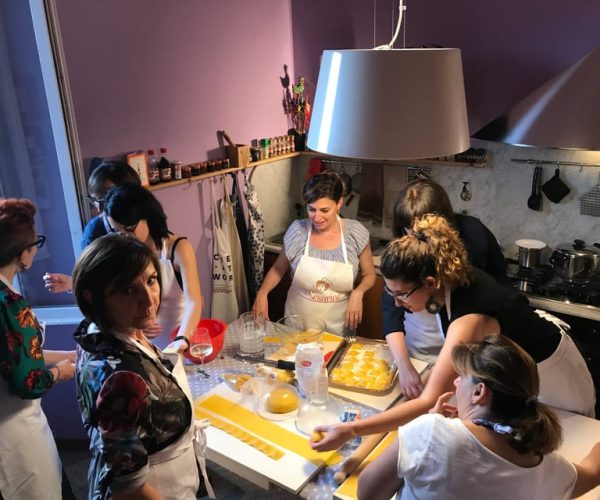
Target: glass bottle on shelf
[153,173]
[164,166]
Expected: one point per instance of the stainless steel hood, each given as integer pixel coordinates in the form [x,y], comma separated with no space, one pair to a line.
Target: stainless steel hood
[563,113]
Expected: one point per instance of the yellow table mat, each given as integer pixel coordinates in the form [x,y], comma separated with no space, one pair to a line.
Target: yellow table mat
[349,487]
[266,429]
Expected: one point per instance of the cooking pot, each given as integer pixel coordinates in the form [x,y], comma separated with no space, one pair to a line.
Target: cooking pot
[530,252]
[574,262]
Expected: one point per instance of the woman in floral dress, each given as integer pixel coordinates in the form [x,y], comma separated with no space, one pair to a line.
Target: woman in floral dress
[135,401]
[29,463]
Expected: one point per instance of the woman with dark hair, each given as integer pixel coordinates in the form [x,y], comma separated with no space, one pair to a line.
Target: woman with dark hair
[29,463]
[428,269]
[499,441]
[134,210]
[135,401]
[326,254]
[105,176]
[416,334]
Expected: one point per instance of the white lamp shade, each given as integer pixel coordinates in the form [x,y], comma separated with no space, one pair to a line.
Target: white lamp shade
[390,104]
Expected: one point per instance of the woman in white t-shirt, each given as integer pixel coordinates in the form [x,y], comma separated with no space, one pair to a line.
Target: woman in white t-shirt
[502,445]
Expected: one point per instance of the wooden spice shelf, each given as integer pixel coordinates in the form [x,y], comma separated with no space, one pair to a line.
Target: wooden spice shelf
[208,175]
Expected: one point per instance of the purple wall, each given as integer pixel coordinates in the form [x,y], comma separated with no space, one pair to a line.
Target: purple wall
[508,47]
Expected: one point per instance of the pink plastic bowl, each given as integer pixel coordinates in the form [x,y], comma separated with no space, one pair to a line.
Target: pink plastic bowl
[216,329]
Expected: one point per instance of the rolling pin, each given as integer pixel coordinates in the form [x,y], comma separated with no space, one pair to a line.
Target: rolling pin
[353,461]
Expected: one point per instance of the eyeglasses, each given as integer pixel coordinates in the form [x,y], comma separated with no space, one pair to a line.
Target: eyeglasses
[403,296]
[125,229]
[95,201]
[38,242]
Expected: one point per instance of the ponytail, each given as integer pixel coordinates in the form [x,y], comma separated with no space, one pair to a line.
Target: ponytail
[432,247]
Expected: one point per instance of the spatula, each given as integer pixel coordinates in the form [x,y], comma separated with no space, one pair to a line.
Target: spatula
[534,202]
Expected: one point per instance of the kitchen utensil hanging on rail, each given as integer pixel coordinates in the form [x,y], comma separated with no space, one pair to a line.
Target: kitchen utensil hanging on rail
[535,200]
[590,202]
[555,189]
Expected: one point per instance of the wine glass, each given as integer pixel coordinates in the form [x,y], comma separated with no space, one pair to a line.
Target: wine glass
[200,344]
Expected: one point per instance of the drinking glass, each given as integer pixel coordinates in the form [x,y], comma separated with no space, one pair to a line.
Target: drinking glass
[252,333]
[200,344]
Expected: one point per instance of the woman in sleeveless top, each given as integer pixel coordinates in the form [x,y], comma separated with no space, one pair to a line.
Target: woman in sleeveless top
[326,254]
[135,211]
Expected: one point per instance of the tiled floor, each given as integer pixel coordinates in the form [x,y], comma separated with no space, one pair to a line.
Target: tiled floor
[76,461]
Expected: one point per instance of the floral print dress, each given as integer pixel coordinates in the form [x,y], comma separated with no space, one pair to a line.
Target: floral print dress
[132,407]
[26,441]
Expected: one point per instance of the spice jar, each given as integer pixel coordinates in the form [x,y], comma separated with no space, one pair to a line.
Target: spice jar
[196,168]
[177,173]
[186,171]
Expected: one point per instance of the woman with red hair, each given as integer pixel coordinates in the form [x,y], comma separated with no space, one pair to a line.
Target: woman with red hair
[29,463]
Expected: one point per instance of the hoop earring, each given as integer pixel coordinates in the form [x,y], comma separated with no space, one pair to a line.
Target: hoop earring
[432,306]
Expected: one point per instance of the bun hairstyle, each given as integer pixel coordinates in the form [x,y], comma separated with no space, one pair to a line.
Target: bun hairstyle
[512,376]
[326,184]
[106,266]
[432,247]
[417,198]
[16,228]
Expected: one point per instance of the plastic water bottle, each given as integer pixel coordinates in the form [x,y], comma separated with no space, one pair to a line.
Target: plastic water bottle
[153,173]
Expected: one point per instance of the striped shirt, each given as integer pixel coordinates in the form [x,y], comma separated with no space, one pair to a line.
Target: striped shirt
[356,237]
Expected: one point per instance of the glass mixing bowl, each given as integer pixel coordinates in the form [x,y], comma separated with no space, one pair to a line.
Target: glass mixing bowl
[299,329]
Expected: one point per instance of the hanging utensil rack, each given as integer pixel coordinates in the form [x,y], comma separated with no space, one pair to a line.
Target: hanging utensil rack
[557,163]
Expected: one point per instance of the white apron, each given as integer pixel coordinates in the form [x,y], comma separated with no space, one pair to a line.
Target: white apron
[224,304]
[172,302]
[565,381]
[321,287]
[423,336]
[179,459]
[29,463]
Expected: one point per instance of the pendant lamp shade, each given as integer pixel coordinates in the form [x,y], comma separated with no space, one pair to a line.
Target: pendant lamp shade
[390,104]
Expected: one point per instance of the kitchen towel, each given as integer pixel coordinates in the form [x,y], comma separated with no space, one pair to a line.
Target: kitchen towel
[370,202]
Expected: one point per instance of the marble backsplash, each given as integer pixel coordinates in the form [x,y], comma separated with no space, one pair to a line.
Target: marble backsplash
[499,194]
[501,189]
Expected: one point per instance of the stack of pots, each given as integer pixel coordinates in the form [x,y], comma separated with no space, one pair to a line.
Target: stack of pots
[576,263]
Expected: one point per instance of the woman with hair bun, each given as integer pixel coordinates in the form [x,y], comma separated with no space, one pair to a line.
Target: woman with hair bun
[325,253]
[499,441]
[428,270]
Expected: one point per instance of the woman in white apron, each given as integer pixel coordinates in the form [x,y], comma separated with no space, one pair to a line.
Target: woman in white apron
[29,463]
[326,254]
[132,209]
[428,269]
[416,334]
[150,445]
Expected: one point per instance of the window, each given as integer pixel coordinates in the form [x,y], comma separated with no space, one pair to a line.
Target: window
[35,160]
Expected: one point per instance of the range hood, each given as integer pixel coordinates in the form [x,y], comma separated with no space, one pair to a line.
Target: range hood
[563,113]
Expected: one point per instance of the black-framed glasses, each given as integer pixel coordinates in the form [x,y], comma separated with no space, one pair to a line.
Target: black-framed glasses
[39,241]
[403,296]
[95,201]
[125,229]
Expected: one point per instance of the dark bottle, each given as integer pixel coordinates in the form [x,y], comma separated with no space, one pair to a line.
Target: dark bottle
[164,166]
[153,172]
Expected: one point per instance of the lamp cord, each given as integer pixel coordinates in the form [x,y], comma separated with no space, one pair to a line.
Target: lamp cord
[401,9]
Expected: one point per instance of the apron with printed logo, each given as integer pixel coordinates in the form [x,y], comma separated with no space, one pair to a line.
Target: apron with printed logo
[321,287]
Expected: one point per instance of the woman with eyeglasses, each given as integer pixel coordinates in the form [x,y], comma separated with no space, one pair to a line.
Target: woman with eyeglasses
[498,441]
[326,255]
[133,210]
[29,463]
[102,178]
[428,269]
[416,333]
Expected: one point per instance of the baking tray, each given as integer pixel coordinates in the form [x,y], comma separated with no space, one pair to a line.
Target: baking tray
[365,366]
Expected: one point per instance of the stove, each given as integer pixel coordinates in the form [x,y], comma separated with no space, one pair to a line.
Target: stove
[546,290]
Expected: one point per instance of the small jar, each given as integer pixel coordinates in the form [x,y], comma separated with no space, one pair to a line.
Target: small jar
[186,171]
[203,167]
[196,168]
[210,166]
[177,171]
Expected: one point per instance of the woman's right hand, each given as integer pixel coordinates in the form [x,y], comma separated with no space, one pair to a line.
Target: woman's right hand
[58,283]
[260,308]
[410,381]
[64,370]
[336,436]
